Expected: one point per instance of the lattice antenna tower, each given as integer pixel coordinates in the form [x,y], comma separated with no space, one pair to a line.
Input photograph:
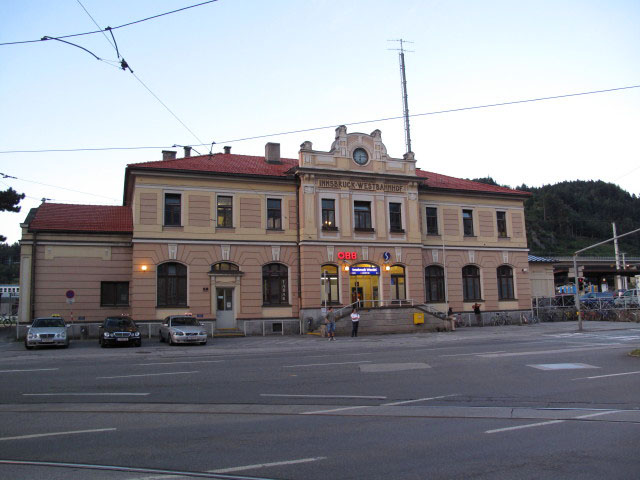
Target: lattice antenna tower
[405,100]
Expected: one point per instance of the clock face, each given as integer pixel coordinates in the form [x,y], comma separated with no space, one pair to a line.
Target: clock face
[360,156]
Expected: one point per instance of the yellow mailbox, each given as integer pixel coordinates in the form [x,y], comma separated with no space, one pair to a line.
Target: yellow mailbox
[418,318]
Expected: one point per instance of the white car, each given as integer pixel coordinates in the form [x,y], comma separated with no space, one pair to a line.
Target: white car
[629,299]
[182,329]
[47,331]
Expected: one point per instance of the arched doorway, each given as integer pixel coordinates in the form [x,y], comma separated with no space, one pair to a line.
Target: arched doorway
[364,284]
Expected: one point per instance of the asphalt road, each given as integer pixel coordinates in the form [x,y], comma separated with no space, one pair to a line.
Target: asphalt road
[531,402]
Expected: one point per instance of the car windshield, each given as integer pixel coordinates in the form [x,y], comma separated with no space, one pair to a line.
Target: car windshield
[185,321]
[119,323]
[48,322]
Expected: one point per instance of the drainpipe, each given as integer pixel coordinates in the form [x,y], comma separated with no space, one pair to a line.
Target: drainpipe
[33,276]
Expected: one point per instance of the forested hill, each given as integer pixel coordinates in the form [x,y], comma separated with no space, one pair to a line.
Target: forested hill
[568,216]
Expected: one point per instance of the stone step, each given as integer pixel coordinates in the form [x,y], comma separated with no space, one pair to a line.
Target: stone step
[227,333]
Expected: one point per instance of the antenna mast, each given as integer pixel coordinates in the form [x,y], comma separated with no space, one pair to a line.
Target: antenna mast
[405,101]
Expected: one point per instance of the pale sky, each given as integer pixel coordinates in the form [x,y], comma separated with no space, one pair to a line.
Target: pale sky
[235,69]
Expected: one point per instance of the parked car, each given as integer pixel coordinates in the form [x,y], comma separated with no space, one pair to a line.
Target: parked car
[119,331]
[596,299]
[46,331]
[182,329]
[630,298]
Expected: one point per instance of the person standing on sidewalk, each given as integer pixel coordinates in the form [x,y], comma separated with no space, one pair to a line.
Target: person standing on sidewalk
[330,320]
[355,321]
[476,310]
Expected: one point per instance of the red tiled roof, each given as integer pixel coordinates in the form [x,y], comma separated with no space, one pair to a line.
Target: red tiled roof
[437,180]
[224,163]
[82,218]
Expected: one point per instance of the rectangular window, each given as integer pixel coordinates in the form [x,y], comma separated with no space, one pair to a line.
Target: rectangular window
[432,221]
[274,214]
[225,212]
[172,208]
[362,215]
[501,218]
[329,214]
[114,294]
[467,222]
[395,217]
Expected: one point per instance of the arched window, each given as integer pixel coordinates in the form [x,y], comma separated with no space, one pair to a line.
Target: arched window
[434,283]
[471,283]
[224,267]
[329,282]
[398,284]
[172,285]
[505,283]
[275,284]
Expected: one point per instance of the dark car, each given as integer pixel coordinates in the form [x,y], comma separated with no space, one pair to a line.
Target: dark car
[119,331]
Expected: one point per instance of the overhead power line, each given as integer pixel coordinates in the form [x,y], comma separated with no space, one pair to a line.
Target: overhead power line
[290,132]
[110,28]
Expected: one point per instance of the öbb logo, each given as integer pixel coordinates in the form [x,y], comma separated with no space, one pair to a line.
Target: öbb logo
[347,256]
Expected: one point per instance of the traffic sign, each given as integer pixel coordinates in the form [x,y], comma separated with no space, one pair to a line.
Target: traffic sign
[70,294]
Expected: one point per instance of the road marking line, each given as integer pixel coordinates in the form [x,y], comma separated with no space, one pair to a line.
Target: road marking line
[524,426]
[149,375]
[173,363]
[263,465]
[334,410]
[610,375]
[598,414]
[417,400]
[323,396]
[30,370]
[543,352]
[324,364]
[80,394]
[73,432]
[467,354]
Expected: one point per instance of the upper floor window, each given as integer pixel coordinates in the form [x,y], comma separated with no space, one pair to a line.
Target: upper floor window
[329,214]
[395,217]
[434,283]
[501,218]
[274,214]
[172,209]
[471,283]
[505,283]
[172,285]
[467,222]
[275,290]
[225,211]
[432,221]
[362,215]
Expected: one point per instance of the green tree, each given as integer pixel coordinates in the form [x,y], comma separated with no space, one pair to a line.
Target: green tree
[9,200]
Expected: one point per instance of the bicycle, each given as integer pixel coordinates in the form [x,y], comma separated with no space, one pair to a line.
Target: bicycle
[500,318]
[7,321]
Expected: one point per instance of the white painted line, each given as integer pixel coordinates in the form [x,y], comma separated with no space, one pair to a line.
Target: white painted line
[417,400]
[73,432]
[30,370]
[149,375]
[610,375]
[468,354]
[544,352]
[324,364]
[598,414]
[561,366]
[323,396]
[334,410]
[174,363]
[81,394]
[263,465]
[524,426]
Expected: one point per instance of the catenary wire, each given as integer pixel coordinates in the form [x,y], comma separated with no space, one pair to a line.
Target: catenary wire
[112,28]
[55,186]
[439,112]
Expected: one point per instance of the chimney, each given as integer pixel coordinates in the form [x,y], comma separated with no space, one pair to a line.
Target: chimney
[227,150]
[272,152]
[168,155]
[187,152]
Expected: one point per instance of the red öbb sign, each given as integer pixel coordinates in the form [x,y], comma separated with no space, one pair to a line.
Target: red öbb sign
[347,256]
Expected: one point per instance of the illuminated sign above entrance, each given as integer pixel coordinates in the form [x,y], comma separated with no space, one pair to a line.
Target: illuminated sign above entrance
[347,256]
[374,270]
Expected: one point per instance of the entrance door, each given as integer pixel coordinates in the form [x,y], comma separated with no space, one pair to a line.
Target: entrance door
[357,295]
[225,316]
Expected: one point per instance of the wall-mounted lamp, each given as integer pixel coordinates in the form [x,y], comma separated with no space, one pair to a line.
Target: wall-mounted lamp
[345,267]
[144,268]
[387,267]
[525,269]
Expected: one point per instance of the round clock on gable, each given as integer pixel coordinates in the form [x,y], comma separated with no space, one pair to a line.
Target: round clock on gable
[360,156]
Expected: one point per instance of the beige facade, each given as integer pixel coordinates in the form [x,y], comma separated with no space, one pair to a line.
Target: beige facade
[232,238]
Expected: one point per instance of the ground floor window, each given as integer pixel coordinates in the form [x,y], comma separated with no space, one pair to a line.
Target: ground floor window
[114,294]
[172,285]
[275,290]
[471,283]
[398,284]
[434,283]
[505,283]
[329,282]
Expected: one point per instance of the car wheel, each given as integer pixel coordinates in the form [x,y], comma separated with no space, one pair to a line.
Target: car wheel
[139,343]
[169,341]
[28,347]
[66,345]
[161,339]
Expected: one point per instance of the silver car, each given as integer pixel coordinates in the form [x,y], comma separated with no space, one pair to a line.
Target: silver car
[47,331]
[182,329]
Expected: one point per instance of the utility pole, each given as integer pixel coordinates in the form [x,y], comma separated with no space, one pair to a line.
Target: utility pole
[617,254]
[405,100]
